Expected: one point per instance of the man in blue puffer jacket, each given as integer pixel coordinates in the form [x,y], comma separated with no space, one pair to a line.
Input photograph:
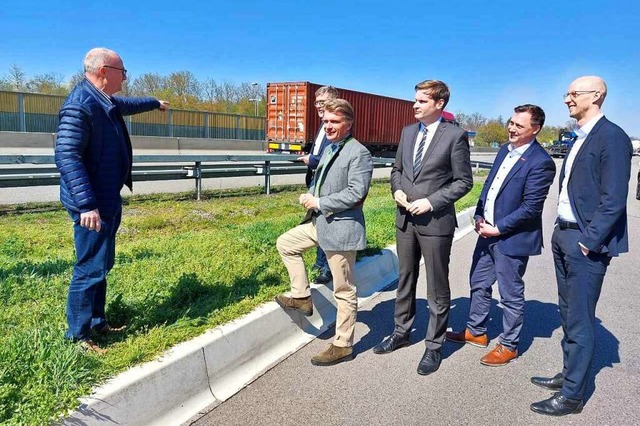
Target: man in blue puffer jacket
[94,155]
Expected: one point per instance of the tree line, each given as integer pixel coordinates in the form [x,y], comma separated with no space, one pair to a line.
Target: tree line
[185,91]
[181,89]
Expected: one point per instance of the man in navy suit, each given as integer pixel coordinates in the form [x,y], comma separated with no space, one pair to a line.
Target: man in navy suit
[312,160]
[508,219]
[591,229]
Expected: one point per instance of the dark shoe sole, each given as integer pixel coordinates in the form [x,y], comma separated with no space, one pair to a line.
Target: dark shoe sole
[289,308]
[426,373]
[334,362]
[551,387]
[381,352]
[577,411]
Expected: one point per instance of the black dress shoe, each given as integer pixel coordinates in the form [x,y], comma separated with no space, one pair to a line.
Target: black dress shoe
[429,363]
[391,343]
[558,405]
[323,278]
[553,383]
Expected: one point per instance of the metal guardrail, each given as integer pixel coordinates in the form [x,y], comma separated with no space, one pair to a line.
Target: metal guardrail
[146,168]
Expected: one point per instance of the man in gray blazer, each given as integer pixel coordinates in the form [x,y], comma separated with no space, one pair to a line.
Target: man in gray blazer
[335,222]
[431,172]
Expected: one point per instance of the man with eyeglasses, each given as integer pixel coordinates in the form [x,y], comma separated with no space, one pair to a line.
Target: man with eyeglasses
[591,228]
[312,160]
[94,155]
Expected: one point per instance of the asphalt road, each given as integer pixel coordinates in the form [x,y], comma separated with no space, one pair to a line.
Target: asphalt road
[385,389]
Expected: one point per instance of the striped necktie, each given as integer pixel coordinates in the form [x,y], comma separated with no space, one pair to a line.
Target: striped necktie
[417,161]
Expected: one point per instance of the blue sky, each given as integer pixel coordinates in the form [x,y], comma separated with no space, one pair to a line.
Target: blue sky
[493,54]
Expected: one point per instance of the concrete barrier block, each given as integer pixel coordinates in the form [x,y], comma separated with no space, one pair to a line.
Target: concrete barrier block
[151,393]
[151,144]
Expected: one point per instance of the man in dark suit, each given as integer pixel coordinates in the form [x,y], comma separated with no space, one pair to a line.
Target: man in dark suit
[312,160]
[335,222]
[509,221]
[591,229]
[431,172]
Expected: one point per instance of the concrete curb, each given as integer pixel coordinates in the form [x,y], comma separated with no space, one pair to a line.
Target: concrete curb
[211,368]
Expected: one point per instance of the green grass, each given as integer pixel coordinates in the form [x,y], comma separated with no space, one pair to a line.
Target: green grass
[182,266]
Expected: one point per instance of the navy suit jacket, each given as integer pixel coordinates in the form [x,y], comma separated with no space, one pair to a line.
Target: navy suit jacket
[598,188]
[314,160]
[518,205]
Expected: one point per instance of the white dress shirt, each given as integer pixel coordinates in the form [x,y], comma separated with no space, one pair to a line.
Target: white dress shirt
[318,143]
[565,212]
[508,162]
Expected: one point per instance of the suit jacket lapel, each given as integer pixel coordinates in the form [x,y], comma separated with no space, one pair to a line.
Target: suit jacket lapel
[502,154]
[590,136]
[408,151]
[516,167]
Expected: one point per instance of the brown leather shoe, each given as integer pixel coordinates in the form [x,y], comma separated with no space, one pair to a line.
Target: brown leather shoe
[333,355]
[302,305]
[465,336]
[500,355]
[89,345]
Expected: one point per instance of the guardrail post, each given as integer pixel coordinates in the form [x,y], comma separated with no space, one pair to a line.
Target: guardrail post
[477,167]
[170,118]
[21,115]
[267,177]
[197,171]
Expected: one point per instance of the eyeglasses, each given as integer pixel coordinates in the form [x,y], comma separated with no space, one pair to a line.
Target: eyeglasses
[123,70]
[577,93]
[319,103]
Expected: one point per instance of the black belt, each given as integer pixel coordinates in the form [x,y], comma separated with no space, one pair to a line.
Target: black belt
[563,224]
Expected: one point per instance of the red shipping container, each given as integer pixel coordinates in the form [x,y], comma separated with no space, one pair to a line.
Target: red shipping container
[292,120]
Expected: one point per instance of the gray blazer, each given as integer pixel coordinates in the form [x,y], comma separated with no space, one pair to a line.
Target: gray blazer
[444,177]
[340,222]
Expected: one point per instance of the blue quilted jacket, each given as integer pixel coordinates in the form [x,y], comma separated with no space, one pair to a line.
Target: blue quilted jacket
[93,150]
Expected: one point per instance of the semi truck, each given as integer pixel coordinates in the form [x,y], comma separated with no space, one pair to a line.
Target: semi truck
[560,147]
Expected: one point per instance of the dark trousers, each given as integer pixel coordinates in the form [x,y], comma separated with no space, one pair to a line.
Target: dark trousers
[490,265]
[436,251]
[95,256]
[579,283]
[321,261]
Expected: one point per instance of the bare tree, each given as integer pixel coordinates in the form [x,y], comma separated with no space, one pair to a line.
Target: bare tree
[17,78]
[75,79]
[149,84]
[49,84]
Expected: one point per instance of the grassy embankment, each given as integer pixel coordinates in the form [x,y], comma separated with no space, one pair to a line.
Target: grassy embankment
[182,267]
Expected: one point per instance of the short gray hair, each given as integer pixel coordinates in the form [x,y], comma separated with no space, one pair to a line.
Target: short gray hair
[96,58]
[330,91]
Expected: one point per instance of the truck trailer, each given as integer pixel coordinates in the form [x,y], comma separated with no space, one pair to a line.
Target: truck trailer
[292,121]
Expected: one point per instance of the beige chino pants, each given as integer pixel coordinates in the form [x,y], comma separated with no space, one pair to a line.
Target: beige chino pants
[291,245]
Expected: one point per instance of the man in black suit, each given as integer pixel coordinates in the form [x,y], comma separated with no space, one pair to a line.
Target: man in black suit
[431,172]
[312,160]
[591,229]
